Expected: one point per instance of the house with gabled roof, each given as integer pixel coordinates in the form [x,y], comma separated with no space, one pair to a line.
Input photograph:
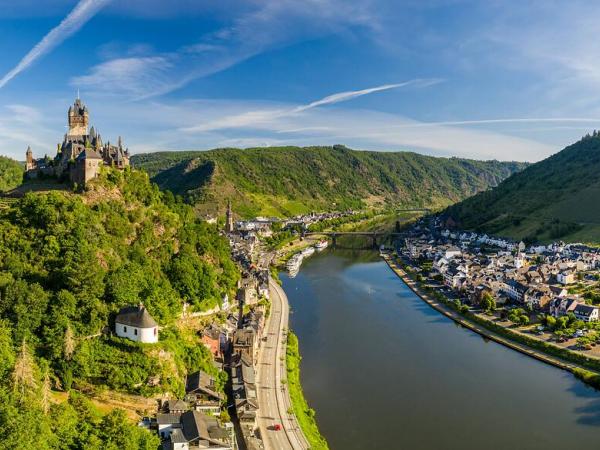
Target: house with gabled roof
[136,323]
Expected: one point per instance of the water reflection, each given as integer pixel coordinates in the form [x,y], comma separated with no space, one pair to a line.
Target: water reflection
[384,370]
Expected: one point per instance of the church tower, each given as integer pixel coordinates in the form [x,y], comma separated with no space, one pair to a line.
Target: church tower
[78,119]
[229,218]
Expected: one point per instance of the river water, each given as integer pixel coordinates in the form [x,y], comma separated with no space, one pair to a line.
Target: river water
[385,371]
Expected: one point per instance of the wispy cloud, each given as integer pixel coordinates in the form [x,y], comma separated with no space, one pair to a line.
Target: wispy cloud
[268,25]
[84,11]
[258,117]
[516,120]
[156,125]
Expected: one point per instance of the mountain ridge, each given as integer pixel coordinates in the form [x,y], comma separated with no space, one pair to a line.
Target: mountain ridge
[284,181]
[555,198]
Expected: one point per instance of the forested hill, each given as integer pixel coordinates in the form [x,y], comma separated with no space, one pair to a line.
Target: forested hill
[556,198]
[68,263]
[11,173]
[285,181]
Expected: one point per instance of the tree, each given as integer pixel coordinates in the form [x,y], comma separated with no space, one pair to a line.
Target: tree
[46,392]
[562,322]
[524,320]
[23,377]
[488,303]
[550,322]
[69,344]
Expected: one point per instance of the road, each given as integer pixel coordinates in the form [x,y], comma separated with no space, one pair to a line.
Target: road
[273,397]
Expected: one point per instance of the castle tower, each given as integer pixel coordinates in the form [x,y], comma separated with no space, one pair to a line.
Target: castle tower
[30,163]
[229,218]
[78,119]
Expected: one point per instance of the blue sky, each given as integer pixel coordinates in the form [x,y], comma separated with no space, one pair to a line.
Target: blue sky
[509,80]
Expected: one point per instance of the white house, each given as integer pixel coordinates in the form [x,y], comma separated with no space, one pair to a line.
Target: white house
[135,323]
[519,260]
[586,313]
[566,277]
[452,252]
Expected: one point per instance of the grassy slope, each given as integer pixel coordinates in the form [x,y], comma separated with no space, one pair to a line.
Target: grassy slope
[555,198]
[285,181]
[304,414]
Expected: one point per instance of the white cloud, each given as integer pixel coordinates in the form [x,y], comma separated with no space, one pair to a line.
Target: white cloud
[152,125]
[137,75]
[261,116]
[21,126]
[266,26]
[84,11]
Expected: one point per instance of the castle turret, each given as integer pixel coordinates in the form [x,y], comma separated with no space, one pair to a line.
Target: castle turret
[78,119]
[30,163]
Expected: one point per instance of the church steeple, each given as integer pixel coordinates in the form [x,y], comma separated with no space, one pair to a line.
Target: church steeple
[229,218]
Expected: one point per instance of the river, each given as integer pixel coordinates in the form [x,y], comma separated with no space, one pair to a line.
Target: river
[385,371]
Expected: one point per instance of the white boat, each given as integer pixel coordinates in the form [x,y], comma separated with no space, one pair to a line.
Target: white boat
[294,262]
[321,245]
[307,252]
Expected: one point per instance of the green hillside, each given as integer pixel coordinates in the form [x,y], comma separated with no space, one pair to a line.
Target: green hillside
[11,173]
[68,263]
[285,181]
[556,198]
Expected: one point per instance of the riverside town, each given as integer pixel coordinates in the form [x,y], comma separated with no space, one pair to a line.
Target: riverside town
[299,225]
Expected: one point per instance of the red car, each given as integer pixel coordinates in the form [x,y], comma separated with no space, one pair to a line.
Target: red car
[276,427]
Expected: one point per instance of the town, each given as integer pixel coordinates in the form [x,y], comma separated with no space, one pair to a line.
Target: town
[246,345]
[549,291]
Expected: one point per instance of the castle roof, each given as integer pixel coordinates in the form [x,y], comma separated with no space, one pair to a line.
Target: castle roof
[89,153]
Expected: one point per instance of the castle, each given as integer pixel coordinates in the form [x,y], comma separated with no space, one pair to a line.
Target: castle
[81,154]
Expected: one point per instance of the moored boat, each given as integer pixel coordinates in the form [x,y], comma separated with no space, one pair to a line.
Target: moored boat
[307,252]
[321,245]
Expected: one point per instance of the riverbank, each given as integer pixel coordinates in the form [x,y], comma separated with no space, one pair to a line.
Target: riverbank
[304,414]
[584,368]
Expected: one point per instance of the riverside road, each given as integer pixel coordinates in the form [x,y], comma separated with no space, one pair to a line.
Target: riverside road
[272,394]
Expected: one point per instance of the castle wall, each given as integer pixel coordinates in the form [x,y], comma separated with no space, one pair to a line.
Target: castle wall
[92,169]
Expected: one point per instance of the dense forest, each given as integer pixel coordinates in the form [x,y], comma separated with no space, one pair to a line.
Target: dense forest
[11,173]
[285,181]
[68,263]
[556,198]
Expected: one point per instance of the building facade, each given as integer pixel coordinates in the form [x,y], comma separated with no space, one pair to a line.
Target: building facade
[81,155]
[136,323]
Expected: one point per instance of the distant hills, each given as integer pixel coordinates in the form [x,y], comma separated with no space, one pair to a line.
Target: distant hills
[557,198]
[285,181]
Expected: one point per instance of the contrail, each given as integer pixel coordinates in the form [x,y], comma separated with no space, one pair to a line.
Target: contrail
[344,96]
[501,121]
[253,117]
[84,11]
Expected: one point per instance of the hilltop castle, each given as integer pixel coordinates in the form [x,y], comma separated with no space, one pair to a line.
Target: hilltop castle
[81,154]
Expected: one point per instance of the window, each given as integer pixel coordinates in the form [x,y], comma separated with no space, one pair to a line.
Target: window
[135,331]
[155,331]
[124,329]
